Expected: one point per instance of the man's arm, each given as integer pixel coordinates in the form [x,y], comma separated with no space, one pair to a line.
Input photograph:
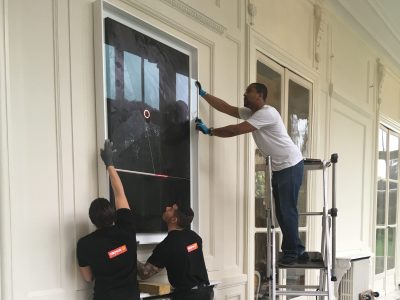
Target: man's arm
[118,189]
[116,184]
[218,103]
[233,130]
[222,106]
[146,270]
[86,273]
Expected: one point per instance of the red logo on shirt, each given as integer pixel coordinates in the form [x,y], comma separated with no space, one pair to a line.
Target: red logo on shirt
[117,251]
[192,247]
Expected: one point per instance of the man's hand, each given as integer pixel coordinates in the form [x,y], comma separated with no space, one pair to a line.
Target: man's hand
[107,153]
[200,126]
[201,91]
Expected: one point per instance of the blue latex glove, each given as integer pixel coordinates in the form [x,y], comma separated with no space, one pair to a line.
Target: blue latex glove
[201,91]
[200,126]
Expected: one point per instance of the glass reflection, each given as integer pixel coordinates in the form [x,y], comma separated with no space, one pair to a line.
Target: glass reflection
[273,81]
[298,109]
[393,157]
[380,251]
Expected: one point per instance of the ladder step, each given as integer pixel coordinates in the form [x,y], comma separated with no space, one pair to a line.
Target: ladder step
[318,213]
[297,286]
[314,262]
[302,293]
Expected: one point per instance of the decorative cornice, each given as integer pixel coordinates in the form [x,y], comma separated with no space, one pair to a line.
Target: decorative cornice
[318,31]
[380,76]
[252,11]
[196,15]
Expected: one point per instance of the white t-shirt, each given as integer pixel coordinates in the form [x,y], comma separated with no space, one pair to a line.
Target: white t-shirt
[271,137]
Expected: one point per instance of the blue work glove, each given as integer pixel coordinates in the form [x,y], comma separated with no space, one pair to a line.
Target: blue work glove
[200,126]
[107,153]
[201,91]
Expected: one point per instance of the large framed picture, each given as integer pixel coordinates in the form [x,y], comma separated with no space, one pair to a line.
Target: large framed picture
[147,103]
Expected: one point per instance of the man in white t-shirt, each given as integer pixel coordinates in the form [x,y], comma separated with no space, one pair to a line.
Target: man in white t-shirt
[271,137]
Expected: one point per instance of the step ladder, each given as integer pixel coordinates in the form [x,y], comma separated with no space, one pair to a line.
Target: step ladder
[324,260]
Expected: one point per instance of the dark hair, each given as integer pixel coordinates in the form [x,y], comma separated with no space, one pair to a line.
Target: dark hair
[184,217]
[101,213]
[261,89]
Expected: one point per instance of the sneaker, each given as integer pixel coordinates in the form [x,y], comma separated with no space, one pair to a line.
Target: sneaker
[287,260]
[304,257]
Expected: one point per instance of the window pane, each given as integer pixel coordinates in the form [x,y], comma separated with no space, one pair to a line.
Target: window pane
[391,248]
[298,110]
[393,191]
[382,137]
[380,251]
[132,77]
[273,81]
[381,202]
[110,70]
[393,157]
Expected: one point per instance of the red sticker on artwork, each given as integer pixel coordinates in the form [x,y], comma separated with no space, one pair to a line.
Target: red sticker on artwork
[117,251]
[192,247]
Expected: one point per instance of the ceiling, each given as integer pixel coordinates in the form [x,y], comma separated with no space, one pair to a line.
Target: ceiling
[380,19]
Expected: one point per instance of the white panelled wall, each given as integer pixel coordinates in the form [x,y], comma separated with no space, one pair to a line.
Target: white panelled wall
[48,152]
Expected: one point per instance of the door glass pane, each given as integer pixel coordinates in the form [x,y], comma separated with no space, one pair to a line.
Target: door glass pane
[260,190]
[260,265]
[382,136]
[273,81]
[392,203]
[393,157]
[391,248]
[381,202]
[380,251]
[298,115]
[298,129]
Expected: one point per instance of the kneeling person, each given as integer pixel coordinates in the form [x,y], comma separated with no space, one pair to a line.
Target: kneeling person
[181,253]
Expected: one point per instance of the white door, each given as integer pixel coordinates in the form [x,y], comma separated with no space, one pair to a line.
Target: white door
[386,210]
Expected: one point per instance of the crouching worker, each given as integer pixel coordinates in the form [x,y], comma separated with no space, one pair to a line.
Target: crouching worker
[181,253]
[108,255]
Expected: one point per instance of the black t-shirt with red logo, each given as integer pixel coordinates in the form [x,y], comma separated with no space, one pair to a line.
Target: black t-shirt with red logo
[181,253]
[111,254]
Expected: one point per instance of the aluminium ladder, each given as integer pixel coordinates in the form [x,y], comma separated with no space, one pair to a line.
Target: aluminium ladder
[324,260]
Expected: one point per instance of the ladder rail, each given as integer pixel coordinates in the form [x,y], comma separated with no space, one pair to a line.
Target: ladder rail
[328,241]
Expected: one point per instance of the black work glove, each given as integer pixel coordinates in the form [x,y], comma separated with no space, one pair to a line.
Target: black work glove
[107,153]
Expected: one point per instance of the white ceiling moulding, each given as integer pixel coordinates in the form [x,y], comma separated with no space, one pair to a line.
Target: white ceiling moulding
[196,15]
[367,18]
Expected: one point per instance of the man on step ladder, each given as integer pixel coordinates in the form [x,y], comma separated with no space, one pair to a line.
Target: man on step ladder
[271,137]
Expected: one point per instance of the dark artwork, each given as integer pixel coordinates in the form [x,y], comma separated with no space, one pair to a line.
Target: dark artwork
[148,121]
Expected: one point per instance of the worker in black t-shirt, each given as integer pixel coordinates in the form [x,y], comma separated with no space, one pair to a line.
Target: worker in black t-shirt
[181,253]
[108,255]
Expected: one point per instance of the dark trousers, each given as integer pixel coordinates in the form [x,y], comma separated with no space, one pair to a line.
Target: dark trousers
[203,293]
[286,184]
